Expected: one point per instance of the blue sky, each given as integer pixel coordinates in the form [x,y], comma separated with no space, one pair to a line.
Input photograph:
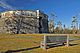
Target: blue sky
[64,9]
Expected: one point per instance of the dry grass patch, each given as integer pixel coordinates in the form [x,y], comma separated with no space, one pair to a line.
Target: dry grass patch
[24,41]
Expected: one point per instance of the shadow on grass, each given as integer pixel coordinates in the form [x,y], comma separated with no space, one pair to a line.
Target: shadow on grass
[11,51]
[73,44]
[55,45]
[49,46]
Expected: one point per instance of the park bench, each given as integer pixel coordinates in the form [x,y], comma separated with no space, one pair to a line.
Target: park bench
[54,40]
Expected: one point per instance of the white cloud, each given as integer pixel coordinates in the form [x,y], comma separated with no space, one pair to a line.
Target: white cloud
[5,5]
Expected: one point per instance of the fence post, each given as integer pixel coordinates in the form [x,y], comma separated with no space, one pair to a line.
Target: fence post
[67,40]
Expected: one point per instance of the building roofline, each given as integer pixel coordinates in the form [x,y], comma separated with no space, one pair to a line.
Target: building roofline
[17,10]
[25,10]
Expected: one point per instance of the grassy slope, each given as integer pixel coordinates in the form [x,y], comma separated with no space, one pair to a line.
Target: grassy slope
[17,42]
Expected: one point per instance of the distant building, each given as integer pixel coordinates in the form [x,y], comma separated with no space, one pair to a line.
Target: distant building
[23,21]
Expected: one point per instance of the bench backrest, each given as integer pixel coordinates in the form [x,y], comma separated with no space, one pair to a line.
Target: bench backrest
[53,39]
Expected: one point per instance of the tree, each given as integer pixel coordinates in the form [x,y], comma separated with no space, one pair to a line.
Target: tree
[52,23]
[74,24]
[59,25]
[64,30]
[58,29]
[51,26]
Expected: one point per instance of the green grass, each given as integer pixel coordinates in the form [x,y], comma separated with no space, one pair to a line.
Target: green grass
[23,41]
